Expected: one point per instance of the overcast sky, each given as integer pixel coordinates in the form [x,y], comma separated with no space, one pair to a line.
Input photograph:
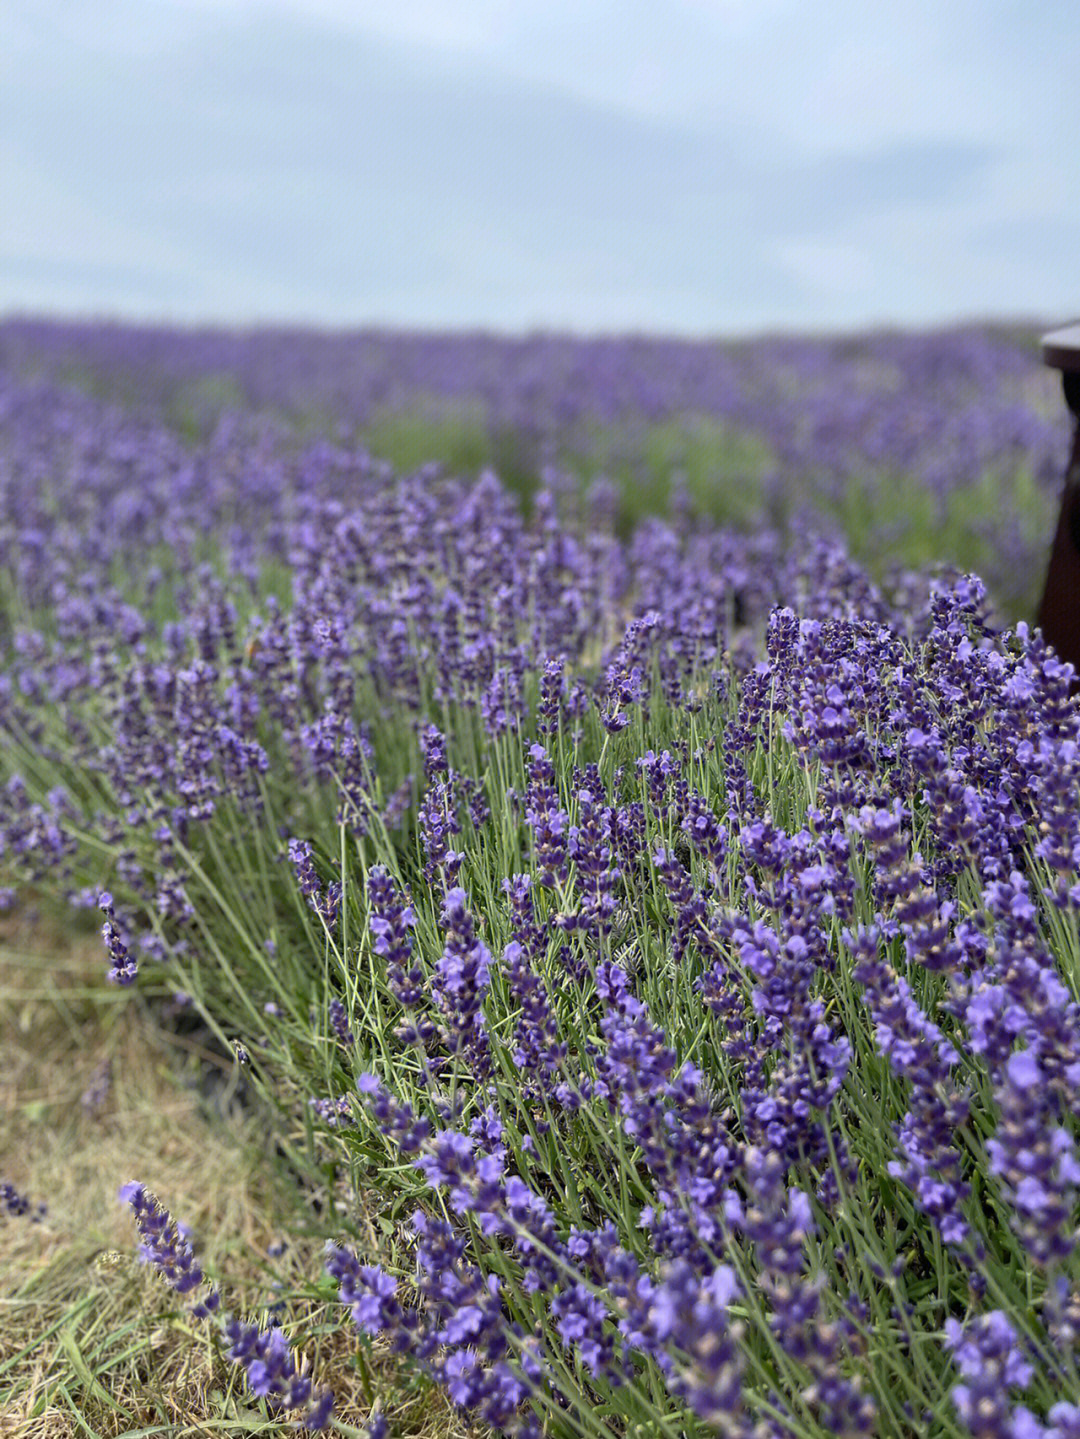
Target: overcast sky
[688,166]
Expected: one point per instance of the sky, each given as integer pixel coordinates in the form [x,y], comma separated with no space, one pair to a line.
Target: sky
[699,167]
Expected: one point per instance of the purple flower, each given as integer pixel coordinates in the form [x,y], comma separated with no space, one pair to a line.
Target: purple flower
[271,1372]
[1023,1069]
[339,1022]
[369,1292]
[18,1206]
[162,1242]
[991,1361]
[461,977]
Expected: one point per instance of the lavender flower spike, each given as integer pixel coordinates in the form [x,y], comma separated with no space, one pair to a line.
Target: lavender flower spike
[271,1371]
[163,1244]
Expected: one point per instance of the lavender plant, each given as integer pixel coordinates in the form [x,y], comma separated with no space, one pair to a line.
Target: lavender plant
[670,939]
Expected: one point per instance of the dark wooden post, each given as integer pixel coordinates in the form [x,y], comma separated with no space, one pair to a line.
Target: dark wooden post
[1059,612]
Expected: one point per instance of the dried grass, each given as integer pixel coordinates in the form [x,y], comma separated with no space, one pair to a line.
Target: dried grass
[91,1343]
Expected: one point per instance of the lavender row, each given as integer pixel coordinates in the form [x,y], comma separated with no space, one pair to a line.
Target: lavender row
[957,432]
[678,932]
[946,404]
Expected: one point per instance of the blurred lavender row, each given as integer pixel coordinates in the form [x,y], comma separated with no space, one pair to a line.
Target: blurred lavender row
[824,422]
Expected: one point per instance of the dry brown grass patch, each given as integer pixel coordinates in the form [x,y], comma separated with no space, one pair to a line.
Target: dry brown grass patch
[91,1342]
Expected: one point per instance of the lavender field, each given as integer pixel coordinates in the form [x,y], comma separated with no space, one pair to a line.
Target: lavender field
[609,801]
